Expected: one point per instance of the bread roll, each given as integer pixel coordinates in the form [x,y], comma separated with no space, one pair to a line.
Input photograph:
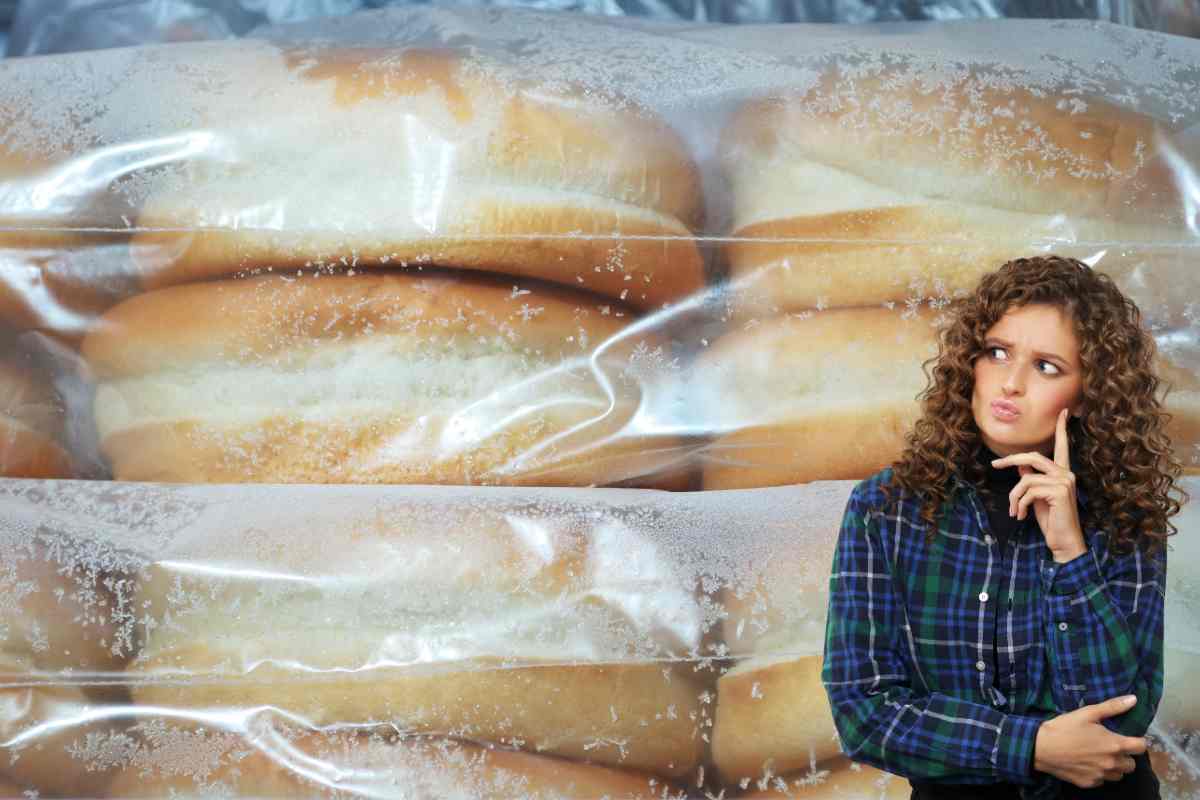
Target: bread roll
[831,780]
[830,395]
[342,765]
[864,189]
[823,396]
[31,420]
[10,789]
[773,714]
[1178,715]
[376,378]
[421,157]
[1178,772]
[56,616]
[505,627]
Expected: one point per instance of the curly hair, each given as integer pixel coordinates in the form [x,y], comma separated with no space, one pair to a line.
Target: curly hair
[1120,452]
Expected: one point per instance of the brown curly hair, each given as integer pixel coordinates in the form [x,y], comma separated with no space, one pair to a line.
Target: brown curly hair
[1120,453]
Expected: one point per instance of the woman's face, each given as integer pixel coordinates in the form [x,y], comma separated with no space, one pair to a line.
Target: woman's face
[1028,372]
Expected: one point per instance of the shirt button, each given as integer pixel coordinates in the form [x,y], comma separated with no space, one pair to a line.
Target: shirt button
[983,597]
[1062,626]
[979,665]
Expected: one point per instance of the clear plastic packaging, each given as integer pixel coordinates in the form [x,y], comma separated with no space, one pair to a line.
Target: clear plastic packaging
[466,268]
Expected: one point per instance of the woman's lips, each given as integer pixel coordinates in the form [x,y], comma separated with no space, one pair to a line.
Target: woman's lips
[1004,411]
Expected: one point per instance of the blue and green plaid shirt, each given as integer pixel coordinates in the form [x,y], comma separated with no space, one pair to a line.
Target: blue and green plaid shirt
[943,658]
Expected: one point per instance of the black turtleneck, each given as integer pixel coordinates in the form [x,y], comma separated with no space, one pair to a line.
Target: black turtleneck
[997,483]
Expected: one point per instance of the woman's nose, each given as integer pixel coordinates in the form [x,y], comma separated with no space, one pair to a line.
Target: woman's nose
[1014,381]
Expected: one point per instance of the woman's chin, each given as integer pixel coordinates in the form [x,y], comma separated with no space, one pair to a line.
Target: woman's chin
[1005,440]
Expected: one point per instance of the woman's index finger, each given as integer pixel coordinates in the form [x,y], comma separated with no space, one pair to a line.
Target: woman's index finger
[1062,447]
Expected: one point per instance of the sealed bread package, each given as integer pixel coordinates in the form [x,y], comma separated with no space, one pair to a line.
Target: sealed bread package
[418,641]
[500,625]
[351,318]
[58,656]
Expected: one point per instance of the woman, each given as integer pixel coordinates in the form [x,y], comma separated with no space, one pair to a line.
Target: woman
[996,600]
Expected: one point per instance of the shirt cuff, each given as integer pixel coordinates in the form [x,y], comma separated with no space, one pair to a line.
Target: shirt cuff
[1014,751]
[1072,577]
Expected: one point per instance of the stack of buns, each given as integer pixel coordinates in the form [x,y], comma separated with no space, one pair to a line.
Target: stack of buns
[373,378]
[466,314]
[412,266]
[862,206]
[507,627]
[897,194]
[773,721]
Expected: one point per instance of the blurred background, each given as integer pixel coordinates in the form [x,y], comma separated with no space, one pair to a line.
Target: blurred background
[31,27]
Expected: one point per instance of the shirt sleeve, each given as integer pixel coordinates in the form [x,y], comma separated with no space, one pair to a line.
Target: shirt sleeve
[1104,619]
[881,718]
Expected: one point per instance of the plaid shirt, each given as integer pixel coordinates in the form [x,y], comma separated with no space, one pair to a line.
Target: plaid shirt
[921,680]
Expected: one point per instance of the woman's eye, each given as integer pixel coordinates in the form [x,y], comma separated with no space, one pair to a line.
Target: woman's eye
[1047,368]
[997,353]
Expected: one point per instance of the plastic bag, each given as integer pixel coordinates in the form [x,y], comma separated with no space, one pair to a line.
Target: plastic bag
[505,250]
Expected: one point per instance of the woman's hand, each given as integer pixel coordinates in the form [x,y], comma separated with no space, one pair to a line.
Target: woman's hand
[1076,747]
[1049,486]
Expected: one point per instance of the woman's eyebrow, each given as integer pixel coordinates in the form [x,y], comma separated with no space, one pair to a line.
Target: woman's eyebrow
[993,340]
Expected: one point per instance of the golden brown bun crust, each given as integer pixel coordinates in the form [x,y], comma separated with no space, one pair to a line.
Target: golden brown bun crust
[823,397]
[851,192]
[31,418]
[876,256]
[1177,773]
[258,319]
[835,446]
[836,779]
[645,267]
[414,767]
[560,710]
[552,182]
[757,726]
[290,451]
[646,163]
[274,323]
[1004,147]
